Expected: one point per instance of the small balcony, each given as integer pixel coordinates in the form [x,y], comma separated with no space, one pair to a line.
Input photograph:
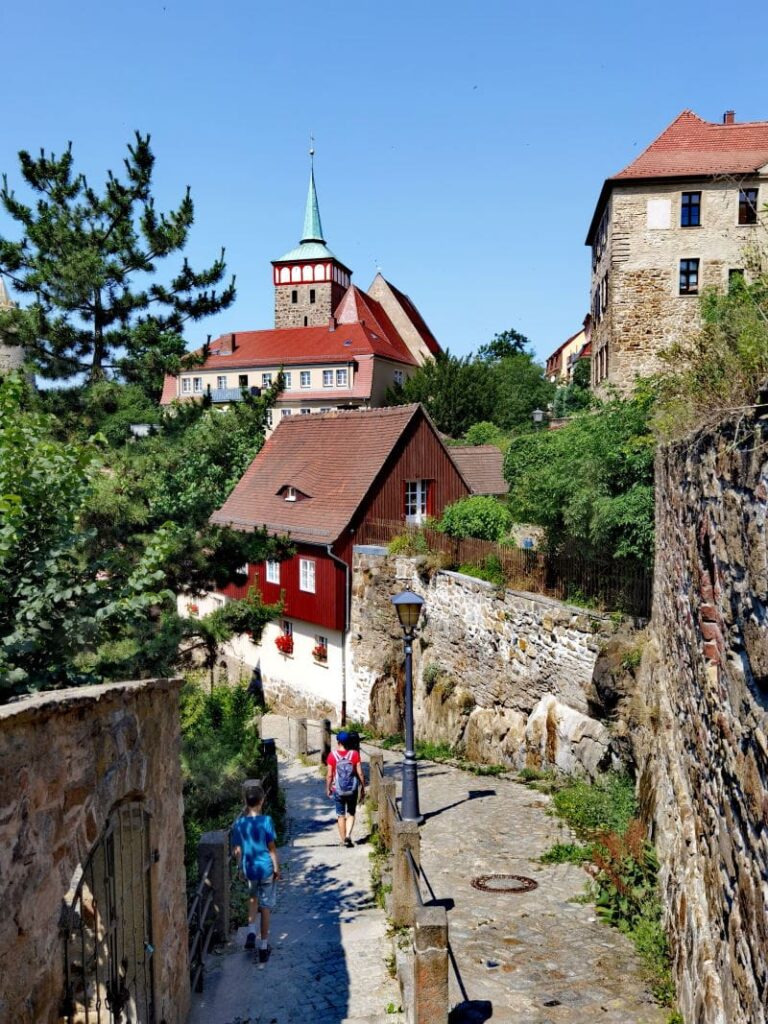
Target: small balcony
[219,395]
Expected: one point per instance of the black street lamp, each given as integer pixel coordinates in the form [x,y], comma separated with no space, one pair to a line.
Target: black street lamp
[408,606]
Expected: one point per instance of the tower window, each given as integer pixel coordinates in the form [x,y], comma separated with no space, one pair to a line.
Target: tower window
[294,296]
[689,277]
[748,206]
[312,296]
[306,323]
[690,210]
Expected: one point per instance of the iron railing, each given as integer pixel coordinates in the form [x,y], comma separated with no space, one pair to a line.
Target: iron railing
[201,922]
[604,584]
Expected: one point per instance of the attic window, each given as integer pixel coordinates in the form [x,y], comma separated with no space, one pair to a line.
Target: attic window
[348,342]
[290,494]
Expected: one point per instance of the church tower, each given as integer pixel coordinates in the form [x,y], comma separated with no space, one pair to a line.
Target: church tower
[11,356]
[309,280]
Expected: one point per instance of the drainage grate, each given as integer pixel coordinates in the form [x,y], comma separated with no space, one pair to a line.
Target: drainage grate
[504,883]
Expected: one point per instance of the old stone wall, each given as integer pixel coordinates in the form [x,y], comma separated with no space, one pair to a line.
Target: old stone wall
[703,751]
[68,760]
[504,675]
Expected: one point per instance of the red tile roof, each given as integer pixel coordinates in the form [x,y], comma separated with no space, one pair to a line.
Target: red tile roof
[333,458]
[357,307]
[481,466]
[691,147]
[169,389]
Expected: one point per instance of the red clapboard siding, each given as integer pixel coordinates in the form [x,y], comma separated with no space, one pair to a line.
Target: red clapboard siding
[419,455]
[326,607]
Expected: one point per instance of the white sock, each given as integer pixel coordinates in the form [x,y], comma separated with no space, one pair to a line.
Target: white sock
[262,943]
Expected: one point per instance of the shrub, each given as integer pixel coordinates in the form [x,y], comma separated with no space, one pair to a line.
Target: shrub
[411,543]
[607,805]
[490,570]
[486,432]
[477,516]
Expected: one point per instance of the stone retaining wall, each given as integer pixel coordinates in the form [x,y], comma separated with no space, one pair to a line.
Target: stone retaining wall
[703,751]
[67,760]
[507,675]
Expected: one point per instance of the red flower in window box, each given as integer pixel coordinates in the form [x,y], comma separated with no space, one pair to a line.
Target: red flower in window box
[193,609]
[284,643]
[320,652]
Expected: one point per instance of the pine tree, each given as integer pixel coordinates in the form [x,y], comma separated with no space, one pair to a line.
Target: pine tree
[86,259]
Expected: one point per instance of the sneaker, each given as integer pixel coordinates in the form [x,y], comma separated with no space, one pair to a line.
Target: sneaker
[250,940]
[264,954]
[348,843]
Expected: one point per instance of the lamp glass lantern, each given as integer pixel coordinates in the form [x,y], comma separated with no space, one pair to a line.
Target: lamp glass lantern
[538,416]
[408,606]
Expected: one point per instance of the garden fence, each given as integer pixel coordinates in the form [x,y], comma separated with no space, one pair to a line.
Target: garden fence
[603,584]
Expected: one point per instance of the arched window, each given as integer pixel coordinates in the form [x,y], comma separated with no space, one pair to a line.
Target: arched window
[307,273]
[295,273]
[319,272]
[285,275]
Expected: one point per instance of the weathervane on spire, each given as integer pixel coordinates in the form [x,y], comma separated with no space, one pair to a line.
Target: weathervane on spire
[312,148]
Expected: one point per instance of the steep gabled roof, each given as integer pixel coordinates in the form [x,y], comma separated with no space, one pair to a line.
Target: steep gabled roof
[399,305]
[334,458]
[357,307]
[691,147]
[481,466]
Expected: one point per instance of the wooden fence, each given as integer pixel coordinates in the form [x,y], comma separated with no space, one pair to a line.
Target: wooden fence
[603,584]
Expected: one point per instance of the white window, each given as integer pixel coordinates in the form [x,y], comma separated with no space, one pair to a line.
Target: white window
[273,571]
[305,412]
[321,641]
[307,575]
[327,378]
[290,494]
[197,385]
[341,378]
[270,418]
[286,412]
[399,377]
[186,385]
[221,383]
[305,378]
[287,627]
[326,410]
[416,500]
[266,380]
[288,382]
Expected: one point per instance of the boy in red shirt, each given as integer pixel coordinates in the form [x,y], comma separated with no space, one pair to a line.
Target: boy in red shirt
[344,780]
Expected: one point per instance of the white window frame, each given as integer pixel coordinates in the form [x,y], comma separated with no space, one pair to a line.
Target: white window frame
[266,380]
[288,380]
[399,377]
[290,494]
[321,641]
[305,378]
[342,378]
[307,575]
[272,571]
[270,418]
[305,412]
[197,385]
[285,412]
[326,410]
[287,627]
[327,378]
[416,492]
[221,382]
[186,385]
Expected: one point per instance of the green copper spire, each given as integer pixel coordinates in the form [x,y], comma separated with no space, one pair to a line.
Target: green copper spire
[313,229]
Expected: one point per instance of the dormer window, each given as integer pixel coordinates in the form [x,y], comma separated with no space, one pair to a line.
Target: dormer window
[290,494]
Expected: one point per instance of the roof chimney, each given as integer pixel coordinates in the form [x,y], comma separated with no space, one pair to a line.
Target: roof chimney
[729,117]
[228,345]
[332,324]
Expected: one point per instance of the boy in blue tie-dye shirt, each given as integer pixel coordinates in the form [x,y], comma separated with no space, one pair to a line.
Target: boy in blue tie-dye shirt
[254,848]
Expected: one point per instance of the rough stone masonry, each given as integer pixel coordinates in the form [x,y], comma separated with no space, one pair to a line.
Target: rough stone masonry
[68,758]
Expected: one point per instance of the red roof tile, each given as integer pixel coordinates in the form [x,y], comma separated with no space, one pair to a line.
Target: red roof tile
[693,146]
[481,466]
[357,307]
[332,458]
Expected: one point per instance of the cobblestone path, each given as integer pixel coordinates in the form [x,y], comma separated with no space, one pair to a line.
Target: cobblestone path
[329,940]
[533,958]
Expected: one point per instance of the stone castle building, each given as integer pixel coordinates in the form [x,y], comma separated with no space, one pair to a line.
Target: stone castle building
[11,356]
[683,216]
[338,347]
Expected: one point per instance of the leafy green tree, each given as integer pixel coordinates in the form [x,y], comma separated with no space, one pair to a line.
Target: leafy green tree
[476,516]
[456,392]
[576,395]
[590,483]
[486,432]
[507,343]
[87,260]
[520,386]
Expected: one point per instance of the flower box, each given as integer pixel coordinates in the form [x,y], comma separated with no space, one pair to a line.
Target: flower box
[284,643]
[320,652]
[193,609]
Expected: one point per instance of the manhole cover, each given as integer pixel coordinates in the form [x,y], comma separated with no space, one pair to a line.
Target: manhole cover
[504,883]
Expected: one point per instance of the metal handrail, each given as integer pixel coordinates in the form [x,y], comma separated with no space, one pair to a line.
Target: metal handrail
[393,804]
[415,873]
[201,932]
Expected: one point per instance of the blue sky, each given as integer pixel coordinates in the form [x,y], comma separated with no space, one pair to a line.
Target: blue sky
[461,148]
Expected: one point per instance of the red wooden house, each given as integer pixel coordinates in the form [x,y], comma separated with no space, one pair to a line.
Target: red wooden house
[318,479]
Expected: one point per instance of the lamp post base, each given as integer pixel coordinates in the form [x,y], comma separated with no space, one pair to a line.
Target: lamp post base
[409,805]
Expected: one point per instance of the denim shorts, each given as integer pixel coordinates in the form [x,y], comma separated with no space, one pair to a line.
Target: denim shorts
[345,804]
[265,892]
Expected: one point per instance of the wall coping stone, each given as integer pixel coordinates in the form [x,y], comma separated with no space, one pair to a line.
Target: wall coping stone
[49,702]
[370,549]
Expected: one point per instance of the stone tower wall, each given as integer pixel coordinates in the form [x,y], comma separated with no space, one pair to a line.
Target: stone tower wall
[645,311]
[328,295]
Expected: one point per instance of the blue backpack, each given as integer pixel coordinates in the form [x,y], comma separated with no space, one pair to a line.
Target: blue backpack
[346,780]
